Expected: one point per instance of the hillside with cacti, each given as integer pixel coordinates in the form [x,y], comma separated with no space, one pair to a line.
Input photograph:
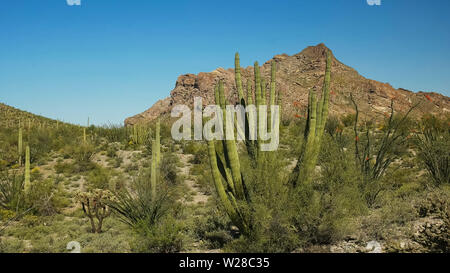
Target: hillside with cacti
[348,180]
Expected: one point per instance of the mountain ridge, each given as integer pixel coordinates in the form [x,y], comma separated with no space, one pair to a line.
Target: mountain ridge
[296,75]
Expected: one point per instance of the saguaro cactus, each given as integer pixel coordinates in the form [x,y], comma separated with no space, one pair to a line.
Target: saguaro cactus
[20,145]
[27,183]
[156,157]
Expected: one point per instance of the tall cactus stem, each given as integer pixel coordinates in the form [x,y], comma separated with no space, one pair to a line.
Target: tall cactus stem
[27,183]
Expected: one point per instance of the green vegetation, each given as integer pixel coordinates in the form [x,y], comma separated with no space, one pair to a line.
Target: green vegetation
[335,183]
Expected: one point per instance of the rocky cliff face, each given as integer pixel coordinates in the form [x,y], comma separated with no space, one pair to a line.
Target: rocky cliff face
[296,75]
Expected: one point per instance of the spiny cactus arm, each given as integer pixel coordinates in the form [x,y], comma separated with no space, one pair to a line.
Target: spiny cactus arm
[263,92]
[222,99]
[238,79]
[257,85]
[279,99]
[312,118]
[326,87]
[216,95]
[226,173]
[273,84]
[322,109]
[231,154]
[229,208]
[158,143]
[249,92]
[318,120]
[306,162]
[251,145]
[27,183]
[20,145]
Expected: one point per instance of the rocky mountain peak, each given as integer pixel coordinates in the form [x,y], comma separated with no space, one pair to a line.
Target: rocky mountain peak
[296,75]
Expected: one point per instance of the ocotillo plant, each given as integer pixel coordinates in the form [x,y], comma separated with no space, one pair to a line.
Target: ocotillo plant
[374,157]
[315,124]
[27,183]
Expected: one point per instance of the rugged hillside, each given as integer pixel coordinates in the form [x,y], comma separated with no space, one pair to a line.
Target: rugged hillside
[296,75]
[10,117]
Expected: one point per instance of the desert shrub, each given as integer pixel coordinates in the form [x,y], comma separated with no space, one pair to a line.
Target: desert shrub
[165,236]
[270,211]
[434,202]
[215,228]
[191,147]
[168,168]
[8,154]
[333,125]
[117,162]
[98,178]
[135,205]
[433,144]
[132,167]
[6,214]
[348,120]
[46,198]
[433,235]
[30,221]
[112,133]
[325,208]
[11,194]
[11,245]
[112,151]
[203,175]
[64,168]
[104,243]
[83,154]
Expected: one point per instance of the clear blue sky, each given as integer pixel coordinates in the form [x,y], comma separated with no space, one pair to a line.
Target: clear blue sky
[110,59]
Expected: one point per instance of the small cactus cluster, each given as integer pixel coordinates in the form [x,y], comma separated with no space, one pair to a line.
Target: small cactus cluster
[139,134]
[226,169]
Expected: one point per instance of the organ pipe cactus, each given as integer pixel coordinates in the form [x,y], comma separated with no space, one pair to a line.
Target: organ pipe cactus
[237,72]
[315,124]
[226,170]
